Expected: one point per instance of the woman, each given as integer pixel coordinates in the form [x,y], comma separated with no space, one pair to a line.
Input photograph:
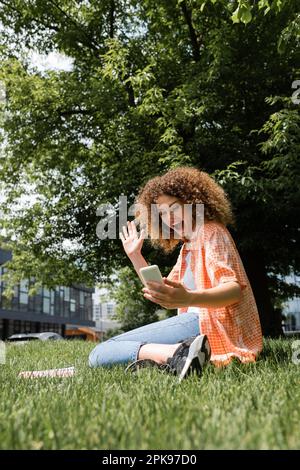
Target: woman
[217,314]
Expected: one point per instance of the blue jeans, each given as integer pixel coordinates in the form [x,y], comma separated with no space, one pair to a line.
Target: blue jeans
[125,347]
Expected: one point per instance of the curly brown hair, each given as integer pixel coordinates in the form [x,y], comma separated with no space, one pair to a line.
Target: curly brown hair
[191,186]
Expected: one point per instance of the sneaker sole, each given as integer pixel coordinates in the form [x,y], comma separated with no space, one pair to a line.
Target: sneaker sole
[199,353]
[141,364]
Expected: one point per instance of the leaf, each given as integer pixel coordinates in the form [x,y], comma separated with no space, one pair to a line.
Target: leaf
[235,15]
[246,16]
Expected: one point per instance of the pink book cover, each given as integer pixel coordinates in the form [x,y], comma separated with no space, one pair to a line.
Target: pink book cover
[63,372]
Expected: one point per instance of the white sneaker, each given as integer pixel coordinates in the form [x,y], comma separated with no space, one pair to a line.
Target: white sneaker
[191,355]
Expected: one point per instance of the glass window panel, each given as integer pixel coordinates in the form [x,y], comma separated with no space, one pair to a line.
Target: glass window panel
[23,298]
[46,305]
[24,285]
[38,303]
[67,294]
[46,292]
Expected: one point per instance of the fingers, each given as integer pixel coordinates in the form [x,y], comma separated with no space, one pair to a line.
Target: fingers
[125,232]
[156,286]
[154,298]
[149,297]
[134,232]
[142,234]
[130,229]
[171,283]
[162,303]
[155,295]
[156,291]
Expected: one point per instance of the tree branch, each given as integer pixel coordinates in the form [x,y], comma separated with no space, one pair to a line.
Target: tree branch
[76,24]
[71,112]
[89,43]
[112,19]
[193,36]
[130,92]
[31,18]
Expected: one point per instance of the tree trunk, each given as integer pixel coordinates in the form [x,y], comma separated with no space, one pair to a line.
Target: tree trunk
[270,317]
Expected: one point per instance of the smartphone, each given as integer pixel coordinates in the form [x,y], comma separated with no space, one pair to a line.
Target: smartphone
[151,273]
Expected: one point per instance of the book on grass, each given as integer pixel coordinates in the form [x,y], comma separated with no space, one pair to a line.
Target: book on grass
[63,372]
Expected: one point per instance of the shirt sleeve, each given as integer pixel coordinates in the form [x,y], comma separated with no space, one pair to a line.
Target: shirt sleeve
[222,260]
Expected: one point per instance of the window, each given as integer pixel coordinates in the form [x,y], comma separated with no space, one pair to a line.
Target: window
[24,292]
[38,303]
[46,292]
[67,294]
[110,309]
[15,300]
[46,305]
[46,301]
[23,298]
[61,292]
[2,282]
[52,301]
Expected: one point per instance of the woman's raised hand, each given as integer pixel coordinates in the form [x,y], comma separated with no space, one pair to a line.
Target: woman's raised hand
[132,242]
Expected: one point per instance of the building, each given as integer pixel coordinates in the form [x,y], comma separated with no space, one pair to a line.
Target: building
[48,310]
[292,315]
[291,309]
[103,316]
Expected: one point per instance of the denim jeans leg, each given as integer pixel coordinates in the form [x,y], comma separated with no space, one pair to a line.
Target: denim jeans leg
[125,347]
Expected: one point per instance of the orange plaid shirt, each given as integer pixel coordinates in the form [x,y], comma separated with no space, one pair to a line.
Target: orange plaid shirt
[234,330]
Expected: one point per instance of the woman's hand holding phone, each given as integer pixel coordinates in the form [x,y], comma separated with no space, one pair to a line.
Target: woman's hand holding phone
[170,294]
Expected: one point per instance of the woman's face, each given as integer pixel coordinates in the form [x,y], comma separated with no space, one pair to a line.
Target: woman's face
[171,210]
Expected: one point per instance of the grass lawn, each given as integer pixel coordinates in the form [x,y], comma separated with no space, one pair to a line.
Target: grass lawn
[255,406]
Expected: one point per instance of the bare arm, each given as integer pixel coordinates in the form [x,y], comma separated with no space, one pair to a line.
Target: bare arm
[224,294]
[174,295]
[132,244]
[138,262]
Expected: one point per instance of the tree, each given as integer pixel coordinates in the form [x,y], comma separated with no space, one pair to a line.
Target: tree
[132,310]
[154,84]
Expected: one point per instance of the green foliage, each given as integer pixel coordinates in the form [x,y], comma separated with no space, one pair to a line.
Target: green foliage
[132,309]
[112,332]
[154,84]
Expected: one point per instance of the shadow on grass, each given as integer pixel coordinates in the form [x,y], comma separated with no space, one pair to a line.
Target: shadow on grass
[276,350]
[276,353]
